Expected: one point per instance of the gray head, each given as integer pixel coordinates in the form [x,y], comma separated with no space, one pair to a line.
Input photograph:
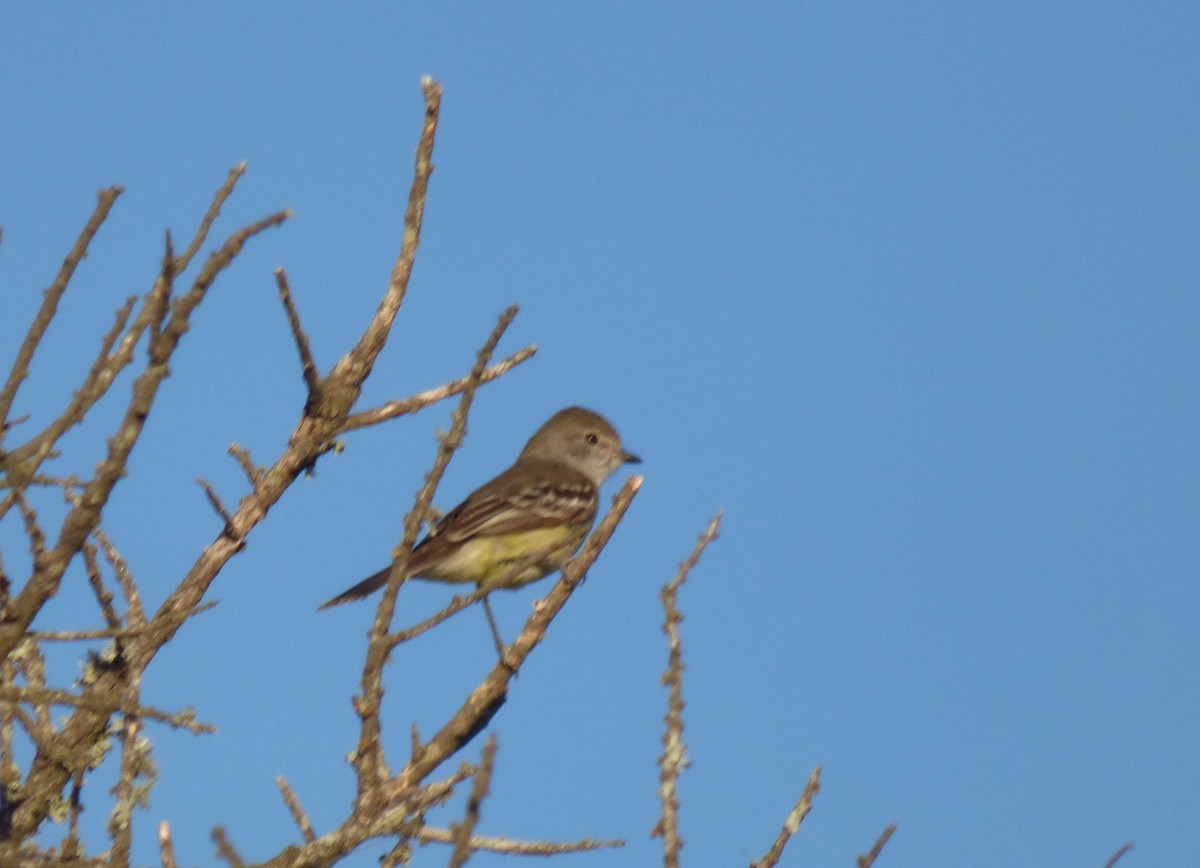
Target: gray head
[582,440]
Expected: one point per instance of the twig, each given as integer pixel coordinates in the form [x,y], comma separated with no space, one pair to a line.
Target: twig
[308,367]
[297,812]
[39,732]
[134,761]
[10,775]
[70,847]
[436,794]
[46,480]
[104,597]
[135,614]
[33,530]
[792,824]
[50,300]
[166,848]
[13,423]
[1116,857]
[674,757]
[18,471]
[456,605]
[32,665]
[120,569]
[41,697]
[463,831]
[254,473]
[99,377]
[118,634]
[210,217]
[225,849]
[84,518]
[159,297]
[419,401]
[107,366]
[362,356]
[868,860]
[399,855]
[214,500]
[217,261]
[433,835]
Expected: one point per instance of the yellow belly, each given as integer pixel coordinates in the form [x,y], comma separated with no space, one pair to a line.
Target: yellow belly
[490,560]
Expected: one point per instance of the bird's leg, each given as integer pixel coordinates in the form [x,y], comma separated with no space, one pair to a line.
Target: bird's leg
[487,610]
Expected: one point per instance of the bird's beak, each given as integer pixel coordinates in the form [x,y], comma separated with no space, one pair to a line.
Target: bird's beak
[629,458]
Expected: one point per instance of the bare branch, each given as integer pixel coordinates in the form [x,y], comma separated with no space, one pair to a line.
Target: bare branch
[85,516]
[225,849]
[18,470]
[1116,857]
[32,666]
[50,300]
[103,596]
[312,437]
[108,688]
[133,602]
[792,824]
[166,848]
[456,605]
[869,859]
[33,530]
[254,473]
[483,778]
[210,217]
[432,835]
[71,846]
[41,697]
[38,731]
[356,363]
[308,367]
[158,300]
[135,614]
[674,757]
[118,634]
[406,821]
[104,369]
[297,812]
[220,259]
[421,400]
[46,480]
[134,764]
[9,773]
[417,802]
[214,500]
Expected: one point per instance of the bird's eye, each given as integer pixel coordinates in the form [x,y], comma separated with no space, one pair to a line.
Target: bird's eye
[593,439]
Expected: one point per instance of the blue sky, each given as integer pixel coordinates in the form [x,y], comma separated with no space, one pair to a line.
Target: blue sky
[909,291]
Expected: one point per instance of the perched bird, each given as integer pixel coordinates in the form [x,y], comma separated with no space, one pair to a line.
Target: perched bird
[525,523]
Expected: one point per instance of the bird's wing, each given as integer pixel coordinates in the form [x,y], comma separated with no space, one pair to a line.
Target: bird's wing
[509,504]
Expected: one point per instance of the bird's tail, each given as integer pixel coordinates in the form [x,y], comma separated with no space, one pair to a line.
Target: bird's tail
[367,586]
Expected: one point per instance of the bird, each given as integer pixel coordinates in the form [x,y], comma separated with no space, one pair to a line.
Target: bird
[525,523]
